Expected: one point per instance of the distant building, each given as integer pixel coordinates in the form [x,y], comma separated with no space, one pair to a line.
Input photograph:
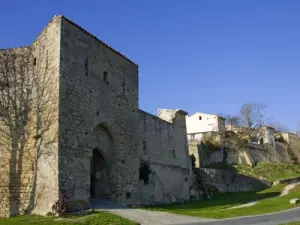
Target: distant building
[199,124]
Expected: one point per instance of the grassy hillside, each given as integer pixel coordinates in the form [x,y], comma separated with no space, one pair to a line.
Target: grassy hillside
[263,170]
[270,171]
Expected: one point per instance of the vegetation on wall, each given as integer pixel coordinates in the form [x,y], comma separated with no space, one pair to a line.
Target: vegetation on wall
[242,129]
[28,115]
[193,161]
[211,143]
[235,141]
[279,138]
[221,166]
[270,171]
[262,170]
[292,155]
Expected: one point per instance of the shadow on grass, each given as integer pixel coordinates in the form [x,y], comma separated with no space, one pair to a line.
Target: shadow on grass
[220,201]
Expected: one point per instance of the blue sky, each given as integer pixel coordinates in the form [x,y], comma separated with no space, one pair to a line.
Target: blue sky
[209,56]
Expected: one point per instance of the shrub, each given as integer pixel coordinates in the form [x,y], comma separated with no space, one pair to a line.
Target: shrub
[59,208]
[222,166]
[279,138]
[193,161]
[211,143]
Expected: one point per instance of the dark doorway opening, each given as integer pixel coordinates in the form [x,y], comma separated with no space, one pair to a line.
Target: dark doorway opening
[99,176]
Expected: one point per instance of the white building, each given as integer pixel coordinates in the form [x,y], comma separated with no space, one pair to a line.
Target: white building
[200,123]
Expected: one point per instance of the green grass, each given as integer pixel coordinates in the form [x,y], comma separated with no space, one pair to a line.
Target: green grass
[292,223]
[218,206]
[263,170]
[101,218]
[270,171]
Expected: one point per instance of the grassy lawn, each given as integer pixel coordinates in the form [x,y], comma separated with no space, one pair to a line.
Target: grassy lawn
[218,206]
[101,218]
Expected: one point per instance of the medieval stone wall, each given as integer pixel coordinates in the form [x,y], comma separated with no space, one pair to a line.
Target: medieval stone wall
[98,87]
[253,154]
[30,185]
[203,155]
[164,146]
[15,171]
[46,62]
[228,181]
[293,142]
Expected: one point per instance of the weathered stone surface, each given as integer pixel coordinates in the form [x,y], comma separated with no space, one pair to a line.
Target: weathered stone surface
[293,142]
[228,181]
[254,154]
[164,146]
[98,137]
[203,155]
[34,185]
[276,147]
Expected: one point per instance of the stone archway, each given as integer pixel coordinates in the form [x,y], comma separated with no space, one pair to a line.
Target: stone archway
[100,166]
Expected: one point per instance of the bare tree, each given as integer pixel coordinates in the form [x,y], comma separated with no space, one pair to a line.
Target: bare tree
[253,118]
[27,112]
[14,113]
[231,120]
[244,128]
[252,115]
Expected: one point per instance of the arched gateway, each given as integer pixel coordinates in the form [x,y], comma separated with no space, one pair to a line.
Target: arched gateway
[100,169]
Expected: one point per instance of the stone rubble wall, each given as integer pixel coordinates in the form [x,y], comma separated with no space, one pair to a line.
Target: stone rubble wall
[34,187]
[46,53]
[164,146]
[98,87]
[167,184]
[254,154]
[14,176]
[293,141]
[228,181]
[15,188]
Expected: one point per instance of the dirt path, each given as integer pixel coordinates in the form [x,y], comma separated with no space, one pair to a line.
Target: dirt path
[284,192]
[287,188]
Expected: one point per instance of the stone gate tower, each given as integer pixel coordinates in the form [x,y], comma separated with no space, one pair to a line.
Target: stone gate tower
[98,137]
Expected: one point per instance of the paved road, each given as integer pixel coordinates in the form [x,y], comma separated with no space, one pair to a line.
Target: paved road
[145,217]
[291,215]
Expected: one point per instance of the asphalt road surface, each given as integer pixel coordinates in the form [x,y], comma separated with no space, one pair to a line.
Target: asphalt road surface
[145,217]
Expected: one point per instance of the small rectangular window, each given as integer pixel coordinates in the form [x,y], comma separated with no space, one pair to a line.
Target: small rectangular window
[87,67]
[174,154]
[105,75]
